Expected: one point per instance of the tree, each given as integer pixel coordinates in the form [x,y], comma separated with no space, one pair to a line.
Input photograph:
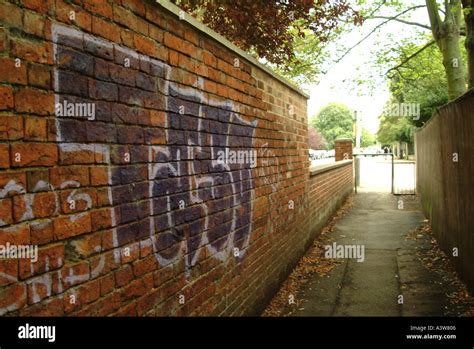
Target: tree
[270,28]
[446,34]
[469,42]
[366,138]
[421,81]
[334,121]
[446,27]
[394,128]
[316,139]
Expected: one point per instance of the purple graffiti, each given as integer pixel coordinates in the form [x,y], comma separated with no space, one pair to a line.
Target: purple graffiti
[165,183]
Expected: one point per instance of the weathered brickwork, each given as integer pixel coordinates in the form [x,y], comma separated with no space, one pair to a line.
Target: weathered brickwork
[112,116]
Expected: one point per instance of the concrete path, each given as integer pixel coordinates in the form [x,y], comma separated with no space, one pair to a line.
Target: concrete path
[391,267]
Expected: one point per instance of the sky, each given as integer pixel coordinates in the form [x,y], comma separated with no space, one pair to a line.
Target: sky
[334,85]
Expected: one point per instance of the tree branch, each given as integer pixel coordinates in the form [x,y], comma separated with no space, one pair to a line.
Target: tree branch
[369,34]
[402,63]
[424,26]
[435,18]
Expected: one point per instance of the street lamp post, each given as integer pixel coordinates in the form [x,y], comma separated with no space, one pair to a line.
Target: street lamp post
[357,127]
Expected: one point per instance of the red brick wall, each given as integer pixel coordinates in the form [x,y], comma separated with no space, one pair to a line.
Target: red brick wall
[127,204]
[328,189]
[343,149]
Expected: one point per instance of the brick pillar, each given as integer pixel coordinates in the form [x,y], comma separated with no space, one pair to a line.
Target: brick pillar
[343,148]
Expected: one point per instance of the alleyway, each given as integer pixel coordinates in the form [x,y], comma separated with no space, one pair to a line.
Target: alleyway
[392,266]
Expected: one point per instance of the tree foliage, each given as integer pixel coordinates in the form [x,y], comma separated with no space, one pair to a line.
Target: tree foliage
[270,28]
[421,80]
[366,139]
[334,121]
[316,139]
[394,129]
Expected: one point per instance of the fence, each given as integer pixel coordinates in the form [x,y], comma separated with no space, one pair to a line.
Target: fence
[445,167]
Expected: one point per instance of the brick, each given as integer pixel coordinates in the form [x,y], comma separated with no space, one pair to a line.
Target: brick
[42,6]
[99,175]
[76,157]
[11,15]
[36,129]
[70,59]
[99,47]
[126,37]
[179,44]
[41,232]
[130,253]
[75,274]
[82,18]
[99,7]
[103,306]
[157,118]
[103,90]
[155,16]
[137,288]
[145,45]
[101,219]
[16,178]
[107,284]
[60,175]
[84,198]
[127,310]
[3,40]
[65,227]
[123,276]
[145,265]
[73,84]
[83,246]
[11,73]
[125,17]
[11,127]
[32,51]
[28,100]
[34,154]
[49,258]
[103,264]
[12,298]
[4,156]
[6,98]
[39,76]
[105,29]
[50,307]
[8,271]
[33,24]
[121,75]
[156,33]
[15,235]
[44,204]
[37,181]
[136,6]
[6,210]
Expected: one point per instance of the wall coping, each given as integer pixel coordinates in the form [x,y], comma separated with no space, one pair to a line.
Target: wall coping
[222,40]
[318,169]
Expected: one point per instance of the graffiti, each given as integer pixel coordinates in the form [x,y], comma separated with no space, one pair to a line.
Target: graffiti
[215,197]
[166,186]
[47,281]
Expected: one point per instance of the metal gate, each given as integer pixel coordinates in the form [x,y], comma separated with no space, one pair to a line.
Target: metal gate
[404,181]
[381,172]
